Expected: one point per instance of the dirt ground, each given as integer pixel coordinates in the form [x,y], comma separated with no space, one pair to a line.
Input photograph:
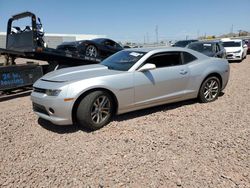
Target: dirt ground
[186,144]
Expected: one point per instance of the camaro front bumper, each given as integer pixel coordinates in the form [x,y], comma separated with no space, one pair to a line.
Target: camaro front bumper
[53,109]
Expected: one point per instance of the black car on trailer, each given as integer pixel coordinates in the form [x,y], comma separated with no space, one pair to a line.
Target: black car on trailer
[96,48]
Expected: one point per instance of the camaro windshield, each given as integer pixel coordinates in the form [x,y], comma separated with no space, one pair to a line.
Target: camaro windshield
[231,44]
[123,60]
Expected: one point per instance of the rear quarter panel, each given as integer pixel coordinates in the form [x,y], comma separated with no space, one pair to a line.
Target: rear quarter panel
[200,69]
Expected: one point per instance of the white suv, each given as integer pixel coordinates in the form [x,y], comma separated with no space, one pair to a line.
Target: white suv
[236,49]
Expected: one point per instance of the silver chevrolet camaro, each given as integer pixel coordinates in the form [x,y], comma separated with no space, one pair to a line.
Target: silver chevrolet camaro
[126,81]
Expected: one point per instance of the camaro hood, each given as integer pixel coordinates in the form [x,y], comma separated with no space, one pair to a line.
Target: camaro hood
[232,49]
[79,73]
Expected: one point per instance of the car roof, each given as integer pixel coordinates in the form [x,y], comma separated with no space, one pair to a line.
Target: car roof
[166,49]
[157,49]
[97,40]
[205,42]
[187,40]
[231,40]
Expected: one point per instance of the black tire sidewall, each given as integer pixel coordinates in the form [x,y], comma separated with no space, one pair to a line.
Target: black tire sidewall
[83,112]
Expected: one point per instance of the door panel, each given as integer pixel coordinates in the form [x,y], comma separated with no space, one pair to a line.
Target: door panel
[160,84]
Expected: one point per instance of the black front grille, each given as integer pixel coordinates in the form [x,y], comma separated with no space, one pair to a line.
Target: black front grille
[39,90]
[39,108]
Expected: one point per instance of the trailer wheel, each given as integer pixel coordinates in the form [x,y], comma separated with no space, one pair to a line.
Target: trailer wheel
[6,60]
[12,60]
[9,60]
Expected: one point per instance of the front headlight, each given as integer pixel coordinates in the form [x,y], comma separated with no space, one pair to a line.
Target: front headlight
[237,51]
[53,92]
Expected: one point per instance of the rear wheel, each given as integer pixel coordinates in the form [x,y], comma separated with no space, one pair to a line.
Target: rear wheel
[91,51]
[95,110]
[210,89]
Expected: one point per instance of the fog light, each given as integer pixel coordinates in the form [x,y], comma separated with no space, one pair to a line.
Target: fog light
[51,110]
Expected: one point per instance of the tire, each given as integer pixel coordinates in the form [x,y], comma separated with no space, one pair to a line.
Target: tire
[209,90]
[95,110]
[91,51]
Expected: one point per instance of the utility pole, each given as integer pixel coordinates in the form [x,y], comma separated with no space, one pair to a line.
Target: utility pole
[198,34]
[239,33]
[156,33]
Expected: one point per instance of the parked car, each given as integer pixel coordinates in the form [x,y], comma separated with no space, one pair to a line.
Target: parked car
[183,43]
[209,48]
[126,46]
[236,49]
[247,42]
[100,47]
[129,80]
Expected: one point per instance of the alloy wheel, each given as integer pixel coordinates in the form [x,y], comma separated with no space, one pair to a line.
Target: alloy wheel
[91,51]
[211,90]
[101,109]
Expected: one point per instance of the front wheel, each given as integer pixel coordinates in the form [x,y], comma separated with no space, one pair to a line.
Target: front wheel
[95,110]
[91,51]
[210,89]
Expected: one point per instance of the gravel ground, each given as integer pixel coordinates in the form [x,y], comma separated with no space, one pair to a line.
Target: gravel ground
[186,144]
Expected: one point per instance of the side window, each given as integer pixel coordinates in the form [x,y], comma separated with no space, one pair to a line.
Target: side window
[165,59]
[214,48]
[109,43]
[187,57]
[221,46]
[218,47]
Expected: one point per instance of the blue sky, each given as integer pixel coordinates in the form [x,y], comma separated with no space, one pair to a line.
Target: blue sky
[135,20]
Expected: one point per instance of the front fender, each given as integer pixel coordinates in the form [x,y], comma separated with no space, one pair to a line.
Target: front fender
[122,88]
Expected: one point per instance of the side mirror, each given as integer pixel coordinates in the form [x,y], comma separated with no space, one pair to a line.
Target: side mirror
[147,67]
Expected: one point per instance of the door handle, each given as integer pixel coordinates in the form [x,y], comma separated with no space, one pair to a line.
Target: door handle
[183,72]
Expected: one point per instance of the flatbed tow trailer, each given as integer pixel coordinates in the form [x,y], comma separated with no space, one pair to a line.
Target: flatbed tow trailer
[27,44]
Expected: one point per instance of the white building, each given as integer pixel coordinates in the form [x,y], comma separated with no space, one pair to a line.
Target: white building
[55,39]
